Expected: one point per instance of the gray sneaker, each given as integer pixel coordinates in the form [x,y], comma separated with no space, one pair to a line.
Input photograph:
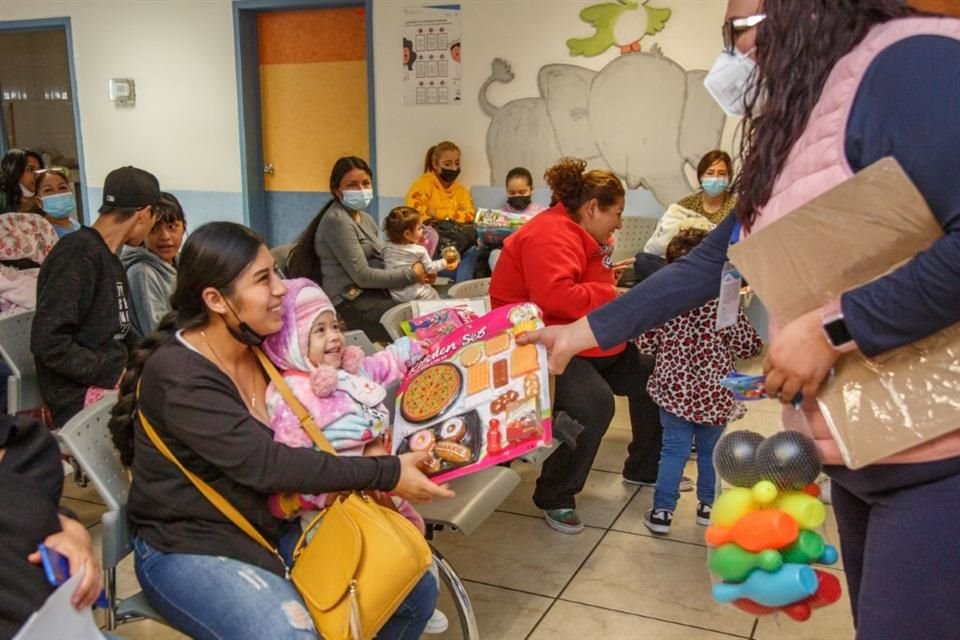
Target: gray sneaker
[563,520]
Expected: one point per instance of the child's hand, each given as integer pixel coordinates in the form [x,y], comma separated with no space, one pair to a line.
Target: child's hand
[620,267]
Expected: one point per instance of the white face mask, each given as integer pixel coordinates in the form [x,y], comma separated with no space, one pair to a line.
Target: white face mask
[730,81]
[26,192]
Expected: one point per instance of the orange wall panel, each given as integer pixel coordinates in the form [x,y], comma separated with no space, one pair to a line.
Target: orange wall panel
[315,35]
[311,115]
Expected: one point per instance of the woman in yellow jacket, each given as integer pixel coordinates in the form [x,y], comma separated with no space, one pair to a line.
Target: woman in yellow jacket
[445,204]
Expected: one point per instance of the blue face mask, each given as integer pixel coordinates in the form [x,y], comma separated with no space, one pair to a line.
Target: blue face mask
[59,206]
[715,186]
[358,200]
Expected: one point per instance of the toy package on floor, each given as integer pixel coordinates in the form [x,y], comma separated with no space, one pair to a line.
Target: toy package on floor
[494,225]
[767,530]
[477,398]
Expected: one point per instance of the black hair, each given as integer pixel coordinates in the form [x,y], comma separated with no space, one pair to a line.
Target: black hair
[213,256]
[408,45]
[798,46]
[519,172]
[683,243]
[303,261]
[12,166]
[400,220]
[168,210]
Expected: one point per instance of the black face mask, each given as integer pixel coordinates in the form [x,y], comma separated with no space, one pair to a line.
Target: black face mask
[519,202]
[449,175]
[243,333]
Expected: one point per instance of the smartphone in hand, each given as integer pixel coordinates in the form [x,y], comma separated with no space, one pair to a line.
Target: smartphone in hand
[56,567]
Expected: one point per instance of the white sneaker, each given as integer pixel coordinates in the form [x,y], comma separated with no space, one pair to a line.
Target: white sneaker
[438,623]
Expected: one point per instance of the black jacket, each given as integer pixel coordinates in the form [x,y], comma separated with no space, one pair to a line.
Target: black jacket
[31,480]
[81,330]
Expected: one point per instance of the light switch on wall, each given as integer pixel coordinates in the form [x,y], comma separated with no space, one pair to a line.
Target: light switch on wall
[122,91]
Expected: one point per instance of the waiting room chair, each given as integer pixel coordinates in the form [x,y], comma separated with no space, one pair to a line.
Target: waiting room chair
[633,236]
[477,288]
[358,338]
[394,316]
[88,439]
[23,391]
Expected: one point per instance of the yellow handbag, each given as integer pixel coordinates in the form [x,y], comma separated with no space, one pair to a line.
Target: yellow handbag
[363,559]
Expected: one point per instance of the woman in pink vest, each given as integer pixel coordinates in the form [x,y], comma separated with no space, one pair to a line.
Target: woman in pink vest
[826,88]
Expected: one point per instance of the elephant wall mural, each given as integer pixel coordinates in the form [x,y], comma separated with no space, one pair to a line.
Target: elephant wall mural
[643,116]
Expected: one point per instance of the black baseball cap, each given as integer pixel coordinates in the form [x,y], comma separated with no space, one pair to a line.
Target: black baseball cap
[130,188]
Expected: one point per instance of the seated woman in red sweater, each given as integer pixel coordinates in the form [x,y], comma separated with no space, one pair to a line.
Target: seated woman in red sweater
[561,262]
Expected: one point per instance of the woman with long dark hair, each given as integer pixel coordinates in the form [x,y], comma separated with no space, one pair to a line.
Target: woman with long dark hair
[341,250]
[826,88]
[198,382]
[17,175]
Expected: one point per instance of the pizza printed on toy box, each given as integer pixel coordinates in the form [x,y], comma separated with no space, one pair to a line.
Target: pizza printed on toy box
[477,398]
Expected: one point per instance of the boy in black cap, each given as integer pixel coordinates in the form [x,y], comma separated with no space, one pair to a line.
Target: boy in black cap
[81,331]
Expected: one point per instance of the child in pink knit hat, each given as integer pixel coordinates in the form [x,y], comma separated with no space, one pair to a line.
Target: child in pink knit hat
[342,389]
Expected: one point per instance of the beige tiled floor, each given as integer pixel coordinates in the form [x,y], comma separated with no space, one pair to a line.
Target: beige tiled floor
[613,581]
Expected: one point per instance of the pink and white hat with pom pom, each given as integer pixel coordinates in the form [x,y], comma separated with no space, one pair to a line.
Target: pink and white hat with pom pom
[289,347]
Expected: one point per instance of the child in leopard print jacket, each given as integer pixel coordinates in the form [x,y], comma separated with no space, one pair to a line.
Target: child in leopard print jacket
[692,356]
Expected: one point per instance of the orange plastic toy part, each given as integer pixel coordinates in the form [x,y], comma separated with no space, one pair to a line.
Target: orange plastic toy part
[757,531]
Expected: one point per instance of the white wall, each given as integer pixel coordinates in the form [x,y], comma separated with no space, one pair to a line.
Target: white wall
[184,126]
[528,34]
[180,53]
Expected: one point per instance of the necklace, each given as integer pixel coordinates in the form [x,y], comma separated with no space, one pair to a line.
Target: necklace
[253,379]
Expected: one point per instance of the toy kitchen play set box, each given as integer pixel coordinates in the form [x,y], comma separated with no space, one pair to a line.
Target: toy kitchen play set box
[477,398]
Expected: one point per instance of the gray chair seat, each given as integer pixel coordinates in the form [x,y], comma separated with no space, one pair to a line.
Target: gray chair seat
[478,495]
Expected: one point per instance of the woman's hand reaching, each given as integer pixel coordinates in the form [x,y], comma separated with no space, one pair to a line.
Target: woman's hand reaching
[413,484]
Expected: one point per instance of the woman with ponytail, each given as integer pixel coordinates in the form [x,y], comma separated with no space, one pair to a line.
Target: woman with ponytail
[827,88]
[198,382]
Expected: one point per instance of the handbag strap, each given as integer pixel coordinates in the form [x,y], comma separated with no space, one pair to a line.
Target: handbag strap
[211,494]
[306,420]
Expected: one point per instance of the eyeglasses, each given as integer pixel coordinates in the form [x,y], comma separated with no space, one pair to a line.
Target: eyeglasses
[734,27]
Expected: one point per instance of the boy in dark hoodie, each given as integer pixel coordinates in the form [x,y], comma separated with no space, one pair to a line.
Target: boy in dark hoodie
[81,331]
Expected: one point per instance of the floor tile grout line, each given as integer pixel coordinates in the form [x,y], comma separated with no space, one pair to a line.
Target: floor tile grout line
[647,617]
[530,515]
[753,631]
[497,586]
[656,537]
[84,500]
[564,588]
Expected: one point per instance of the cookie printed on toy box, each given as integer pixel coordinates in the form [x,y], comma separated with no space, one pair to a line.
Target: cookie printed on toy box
[478,398]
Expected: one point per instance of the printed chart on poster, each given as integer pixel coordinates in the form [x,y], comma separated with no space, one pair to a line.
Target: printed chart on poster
[431,56]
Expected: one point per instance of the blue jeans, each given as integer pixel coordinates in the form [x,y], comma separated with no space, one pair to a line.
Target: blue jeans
[677,437]
[220,598]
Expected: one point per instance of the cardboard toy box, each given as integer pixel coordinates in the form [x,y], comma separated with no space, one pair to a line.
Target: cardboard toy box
[477,398]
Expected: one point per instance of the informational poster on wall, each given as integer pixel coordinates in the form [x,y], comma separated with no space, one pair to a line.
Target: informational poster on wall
[431,56]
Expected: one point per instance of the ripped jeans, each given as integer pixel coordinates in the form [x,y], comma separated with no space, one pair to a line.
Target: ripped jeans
[211,597]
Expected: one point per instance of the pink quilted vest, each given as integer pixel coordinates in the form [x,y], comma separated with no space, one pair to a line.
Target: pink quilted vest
[817,163]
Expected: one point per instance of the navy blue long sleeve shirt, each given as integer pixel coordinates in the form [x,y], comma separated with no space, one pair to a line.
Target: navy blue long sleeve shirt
[908,107]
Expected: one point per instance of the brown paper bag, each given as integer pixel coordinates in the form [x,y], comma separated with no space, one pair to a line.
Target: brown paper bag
[846,237]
